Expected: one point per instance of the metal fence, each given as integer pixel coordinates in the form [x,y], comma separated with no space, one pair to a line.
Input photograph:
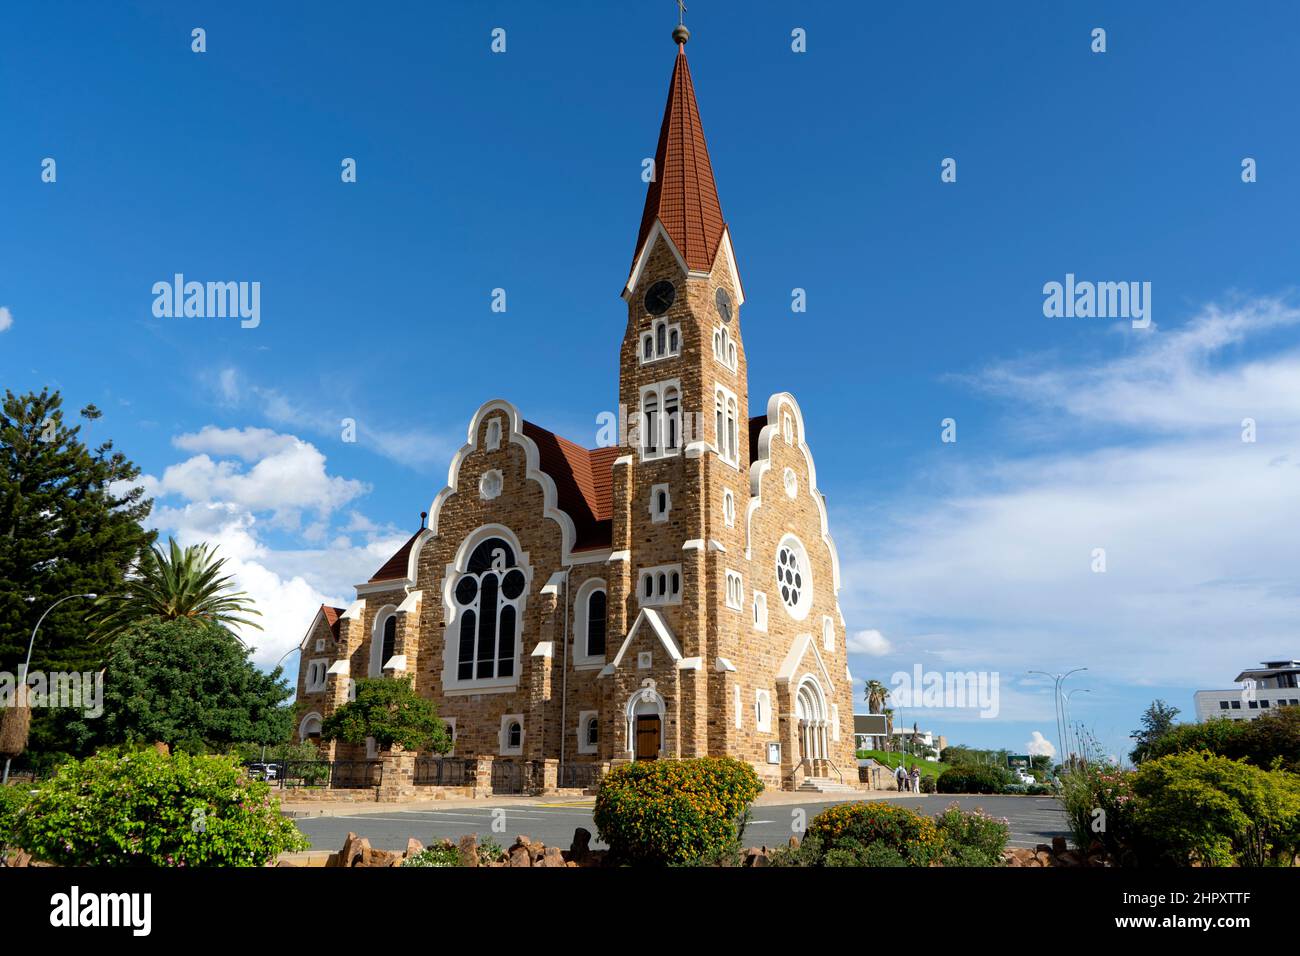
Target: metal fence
[516,776]
[444,771]
[338,774]
[579,776]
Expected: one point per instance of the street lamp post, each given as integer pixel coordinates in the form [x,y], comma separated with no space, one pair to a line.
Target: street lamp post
[28,662]
[1060,712]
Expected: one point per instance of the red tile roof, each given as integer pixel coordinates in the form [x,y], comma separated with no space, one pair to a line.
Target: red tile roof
[584,484]
[683,195]
[332,617]
[396,566]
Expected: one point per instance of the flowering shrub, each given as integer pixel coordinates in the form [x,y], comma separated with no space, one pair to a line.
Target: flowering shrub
[873,834]
[1099,805]
[664,812]
[12,801]
[972,839]
[443,854]
[144,808]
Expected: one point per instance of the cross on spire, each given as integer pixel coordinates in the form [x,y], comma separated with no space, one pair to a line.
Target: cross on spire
[681,12]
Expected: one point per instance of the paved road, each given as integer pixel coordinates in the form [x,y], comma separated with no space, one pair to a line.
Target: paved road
[1033,820]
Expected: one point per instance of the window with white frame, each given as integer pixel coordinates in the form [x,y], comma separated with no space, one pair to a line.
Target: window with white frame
[787,426]
[316,675]
[760,610]
[512,735]
[487,606]
[383,640]
[589,630]
[728,508]
[661,502]
[828,633]
[660,422]
[588,732]
[763,711]
[724,348]
[793,579]
[726,414]
[663,340]
[660,585]
[735,590]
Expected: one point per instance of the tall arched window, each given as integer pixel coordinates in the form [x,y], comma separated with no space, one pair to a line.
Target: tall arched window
[596,624]
[672,424]
[488,598]
[650,423]
[383,639]
[390,640]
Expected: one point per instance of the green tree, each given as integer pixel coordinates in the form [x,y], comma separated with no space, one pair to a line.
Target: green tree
[389,710]
[876,694]
[186,683]
[1157,720]
[177,584]
[70,523]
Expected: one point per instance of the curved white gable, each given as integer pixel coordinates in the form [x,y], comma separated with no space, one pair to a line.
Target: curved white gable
[516,436]
[762,463]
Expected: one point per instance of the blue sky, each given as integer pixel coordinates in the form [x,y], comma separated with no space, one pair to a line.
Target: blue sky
[522,171]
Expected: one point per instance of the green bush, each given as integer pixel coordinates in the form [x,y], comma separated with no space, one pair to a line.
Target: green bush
[444,854]
[1100,805]
[12,801]
[1207,809]
[972,839]
[859,834]
[974,778]
[928,785]
[662,812]
[144,808]
[1271,741]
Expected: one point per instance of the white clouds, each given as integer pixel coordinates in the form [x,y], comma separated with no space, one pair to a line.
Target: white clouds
[414,447]
[287,476]
[994,563]
[6,318]
[223,501]
[1040,745]
[870,642]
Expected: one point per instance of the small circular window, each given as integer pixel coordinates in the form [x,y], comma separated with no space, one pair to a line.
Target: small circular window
[793,581]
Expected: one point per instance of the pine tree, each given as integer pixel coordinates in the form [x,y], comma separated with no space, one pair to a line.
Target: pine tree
[70,523]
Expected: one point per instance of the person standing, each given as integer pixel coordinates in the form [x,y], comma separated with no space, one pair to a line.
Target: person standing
[900,776]
[915,776]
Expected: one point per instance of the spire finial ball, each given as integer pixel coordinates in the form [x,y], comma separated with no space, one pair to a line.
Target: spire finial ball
[681,34]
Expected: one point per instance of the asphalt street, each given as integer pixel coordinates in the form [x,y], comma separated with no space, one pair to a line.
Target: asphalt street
[1033,820]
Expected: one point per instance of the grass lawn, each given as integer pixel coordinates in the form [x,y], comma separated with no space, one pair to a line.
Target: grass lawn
[928,768]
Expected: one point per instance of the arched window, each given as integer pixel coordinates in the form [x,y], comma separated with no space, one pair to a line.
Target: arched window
[390,640]
[650,423]
[661,338]
[672,424]
[383,638]
[596,624]
[592,733]
[515,735]
[488,599]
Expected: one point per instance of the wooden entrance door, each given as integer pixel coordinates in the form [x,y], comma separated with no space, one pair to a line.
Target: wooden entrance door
[647,736]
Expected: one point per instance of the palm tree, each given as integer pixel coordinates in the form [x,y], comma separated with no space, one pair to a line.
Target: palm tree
[889,727]
[179,583]
[876,694]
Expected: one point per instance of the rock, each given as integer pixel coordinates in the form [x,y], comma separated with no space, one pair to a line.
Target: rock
[581,843]
[354,848]
[468,850]
[794,843]
[535,851]
[519,856]
[1043,857]
[553,856]
[380,858]
[413,846]
[1059,845]
[1095,847]
[756,857]
[1042,848]
[1068,858]
[523,840]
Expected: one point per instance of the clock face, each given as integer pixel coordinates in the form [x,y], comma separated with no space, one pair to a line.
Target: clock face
[723,302]
[659,299]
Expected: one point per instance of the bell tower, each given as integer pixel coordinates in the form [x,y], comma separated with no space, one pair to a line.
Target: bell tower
[682,486]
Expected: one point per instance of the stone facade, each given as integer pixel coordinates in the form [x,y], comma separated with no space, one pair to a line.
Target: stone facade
[703,533]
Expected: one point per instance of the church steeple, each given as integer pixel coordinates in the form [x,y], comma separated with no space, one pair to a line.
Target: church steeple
[683,195]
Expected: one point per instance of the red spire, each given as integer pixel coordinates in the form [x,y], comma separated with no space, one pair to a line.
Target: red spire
[683,195]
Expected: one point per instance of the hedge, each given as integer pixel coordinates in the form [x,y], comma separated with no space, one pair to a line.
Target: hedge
[664,812]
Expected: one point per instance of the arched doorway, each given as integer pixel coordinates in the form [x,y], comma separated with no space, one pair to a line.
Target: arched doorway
[645,724]
[810,709]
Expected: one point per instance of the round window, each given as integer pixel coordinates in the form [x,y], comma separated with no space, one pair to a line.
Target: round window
[793,581]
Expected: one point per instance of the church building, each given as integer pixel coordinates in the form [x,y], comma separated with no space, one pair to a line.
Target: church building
[674,595]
